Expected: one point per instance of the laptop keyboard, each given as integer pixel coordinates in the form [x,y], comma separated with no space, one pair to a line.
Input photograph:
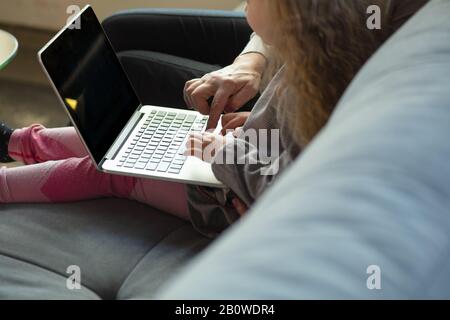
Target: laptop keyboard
[159,144]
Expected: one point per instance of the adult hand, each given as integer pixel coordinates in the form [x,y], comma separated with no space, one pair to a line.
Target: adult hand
[232,87]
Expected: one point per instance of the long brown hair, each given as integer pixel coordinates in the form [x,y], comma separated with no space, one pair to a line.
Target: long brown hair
[323,44]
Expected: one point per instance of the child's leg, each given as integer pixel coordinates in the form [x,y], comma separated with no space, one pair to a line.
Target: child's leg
[67,180]
[77,179]
[37,144]
[166,196]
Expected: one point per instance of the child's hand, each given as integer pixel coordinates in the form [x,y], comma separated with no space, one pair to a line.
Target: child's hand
[232,121]
[240,206]
[205,145]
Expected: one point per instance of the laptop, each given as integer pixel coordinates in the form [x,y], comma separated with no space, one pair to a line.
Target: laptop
[121,135]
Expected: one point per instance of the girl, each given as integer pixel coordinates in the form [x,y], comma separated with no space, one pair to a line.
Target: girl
[322,45]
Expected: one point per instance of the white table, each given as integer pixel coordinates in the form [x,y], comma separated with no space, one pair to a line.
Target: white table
[8,48]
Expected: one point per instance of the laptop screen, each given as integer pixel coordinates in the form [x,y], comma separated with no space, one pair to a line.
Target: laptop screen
[92,83]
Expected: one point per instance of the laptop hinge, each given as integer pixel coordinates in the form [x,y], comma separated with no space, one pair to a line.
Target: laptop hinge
[123,136]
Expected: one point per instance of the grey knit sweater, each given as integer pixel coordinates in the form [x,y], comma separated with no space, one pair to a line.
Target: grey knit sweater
[249,175]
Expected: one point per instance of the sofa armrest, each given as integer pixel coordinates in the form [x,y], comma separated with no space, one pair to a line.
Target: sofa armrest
[210,36]
[366,206]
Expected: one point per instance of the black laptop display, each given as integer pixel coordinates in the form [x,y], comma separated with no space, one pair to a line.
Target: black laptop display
[92,82]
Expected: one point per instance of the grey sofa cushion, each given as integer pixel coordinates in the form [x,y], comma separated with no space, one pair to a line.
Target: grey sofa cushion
[124,249]
[373,189]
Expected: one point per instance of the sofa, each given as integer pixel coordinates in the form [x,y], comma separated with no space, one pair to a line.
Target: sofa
[364,213]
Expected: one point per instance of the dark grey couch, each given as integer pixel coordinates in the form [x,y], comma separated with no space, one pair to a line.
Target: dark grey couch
[373,191]
[125,250]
